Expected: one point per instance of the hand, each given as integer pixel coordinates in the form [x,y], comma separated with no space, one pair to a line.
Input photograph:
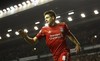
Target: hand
[22,33]
[77,48]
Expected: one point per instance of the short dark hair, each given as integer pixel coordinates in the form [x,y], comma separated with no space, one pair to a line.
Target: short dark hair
[50,12]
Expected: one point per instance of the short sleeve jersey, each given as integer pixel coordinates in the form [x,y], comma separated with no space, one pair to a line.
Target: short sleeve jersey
[55,37]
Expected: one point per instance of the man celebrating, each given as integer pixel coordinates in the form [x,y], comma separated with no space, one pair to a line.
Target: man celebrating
[55,35]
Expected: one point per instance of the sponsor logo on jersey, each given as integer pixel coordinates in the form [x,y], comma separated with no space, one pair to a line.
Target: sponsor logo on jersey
[55,36]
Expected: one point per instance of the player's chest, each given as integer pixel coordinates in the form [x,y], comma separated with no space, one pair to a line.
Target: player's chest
[54,30]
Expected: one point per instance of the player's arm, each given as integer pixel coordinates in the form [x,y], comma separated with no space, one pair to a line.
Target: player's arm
[74,40]
[27,38]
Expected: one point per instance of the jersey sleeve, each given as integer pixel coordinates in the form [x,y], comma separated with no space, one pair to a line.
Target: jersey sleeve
[40,34]
[67,30]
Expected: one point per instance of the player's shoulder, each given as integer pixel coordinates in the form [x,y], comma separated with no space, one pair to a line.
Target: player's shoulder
[62,23]
[44,27]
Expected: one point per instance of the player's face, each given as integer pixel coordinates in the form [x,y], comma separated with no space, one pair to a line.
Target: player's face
[49,20]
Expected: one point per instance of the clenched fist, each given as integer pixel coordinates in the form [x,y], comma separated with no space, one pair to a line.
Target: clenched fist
[22,33]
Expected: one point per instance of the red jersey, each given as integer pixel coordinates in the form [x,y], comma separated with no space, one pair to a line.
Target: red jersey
[55,37]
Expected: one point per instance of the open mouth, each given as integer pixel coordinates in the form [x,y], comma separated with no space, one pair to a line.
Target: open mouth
[47,21]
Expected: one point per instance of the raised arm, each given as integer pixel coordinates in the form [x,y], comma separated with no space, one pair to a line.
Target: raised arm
[27,38]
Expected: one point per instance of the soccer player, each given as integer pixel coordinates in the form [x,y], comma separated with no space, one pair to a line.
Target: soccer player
[55,35]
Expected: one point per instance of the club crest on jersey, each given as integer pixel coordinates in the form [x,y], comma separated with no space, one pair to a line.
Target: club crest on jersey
[61,29]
